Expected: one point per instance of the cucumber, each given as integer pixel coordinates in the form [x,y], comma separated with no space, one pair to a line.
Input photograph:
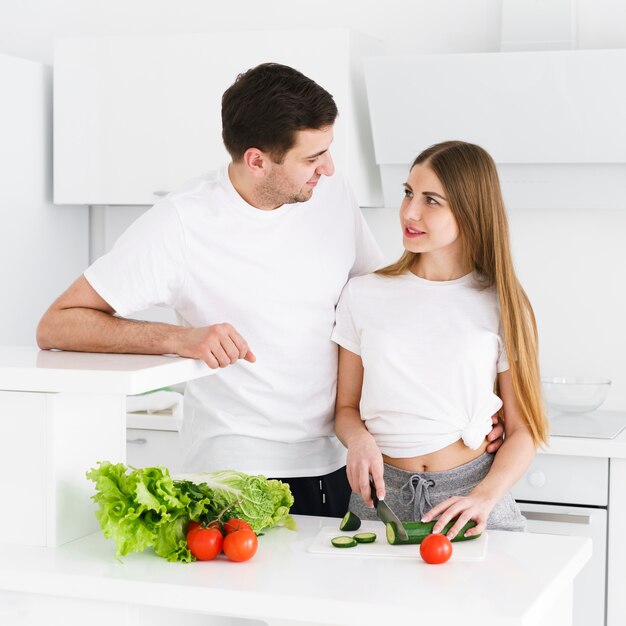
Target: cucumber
[365,537]
[343,542]
[418,530]
[350,521]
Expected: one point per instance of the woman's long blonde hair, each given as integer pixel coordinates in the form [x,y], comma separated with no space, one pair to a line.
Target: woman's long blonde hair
[470,179]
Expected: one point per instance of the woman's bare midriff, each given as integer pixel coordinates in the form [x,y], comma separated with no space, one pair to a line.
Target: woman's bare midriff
[447,458]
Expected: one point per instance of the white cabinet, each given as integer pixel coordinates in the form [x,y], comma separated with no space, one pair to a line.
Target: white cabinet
[137,116]
[569,495]
[60,414]
[47,445]
[153,439]
[575,521]
[552,120]
[565,480]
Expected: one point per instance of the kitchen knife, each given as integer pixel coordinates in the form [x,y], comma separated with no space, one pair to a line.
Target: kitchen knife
[386,514]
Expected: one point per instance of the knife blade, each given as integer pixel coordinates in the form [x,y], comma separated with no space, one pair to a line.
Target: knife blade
[386,515]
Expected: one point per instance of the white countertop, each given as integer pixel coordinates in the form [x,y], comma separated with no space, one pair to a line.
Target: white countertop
[31,369]
[587,446]
[519,575]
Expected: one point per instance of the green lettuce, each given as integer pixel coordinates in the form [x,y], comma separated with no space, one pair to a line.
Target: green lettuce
[147,508]
[261,502]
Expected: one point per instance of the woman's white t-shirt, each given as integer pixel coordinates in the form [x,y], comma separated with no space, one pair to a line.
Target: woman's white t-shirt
[276,277]
[431,351]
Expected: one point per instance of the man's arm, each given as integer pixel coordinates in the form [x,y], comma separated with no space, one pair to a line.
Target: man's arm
[81,320]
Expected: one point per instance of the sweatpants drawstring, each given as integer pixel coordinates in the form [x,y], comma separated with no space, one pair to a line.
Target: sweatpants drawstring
[420,496]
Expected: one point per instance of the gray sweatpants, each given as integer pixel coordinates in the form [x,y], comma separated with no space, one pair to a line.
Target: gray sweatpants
[411,494]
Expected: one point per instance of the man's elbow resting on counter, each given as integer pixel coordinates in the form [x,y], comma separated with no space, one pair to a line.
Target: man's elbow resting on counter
[43,334]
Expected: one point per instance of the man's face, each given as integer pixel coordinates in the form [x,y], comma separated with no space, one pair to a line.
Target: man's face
[295,178]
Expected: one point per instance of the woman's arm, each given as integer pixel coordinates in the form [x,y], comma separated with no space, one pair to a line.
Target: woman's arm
[509,464]
[364,457]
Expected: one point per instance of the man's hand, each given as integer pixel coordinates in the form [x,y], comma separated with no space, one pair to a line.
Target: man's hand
[496,436]
[81,320]
[219,345]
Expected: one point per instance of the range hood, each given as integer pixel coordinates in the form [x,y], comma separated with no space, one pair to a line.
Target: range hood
[554,121]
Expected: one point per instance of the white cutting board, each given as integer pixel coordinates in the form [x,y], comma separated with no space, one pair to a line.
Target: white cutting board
[474,550]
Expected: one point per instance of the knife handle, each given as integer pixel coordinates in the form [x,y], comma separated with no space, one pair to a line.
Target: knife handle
[373,492]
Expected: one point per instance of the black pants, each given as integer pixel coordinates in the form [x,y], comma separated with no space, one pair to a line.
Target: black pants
[327,495]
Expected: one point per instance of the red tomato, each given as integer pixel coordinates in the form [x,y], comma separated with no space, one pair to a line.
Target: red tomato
[192,525]
[240,545]
[205,543]
[215,524]
[236,524]
[436,549]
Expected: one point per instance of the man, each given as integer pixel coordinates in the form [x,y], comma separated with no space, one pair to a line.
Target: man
[253,258]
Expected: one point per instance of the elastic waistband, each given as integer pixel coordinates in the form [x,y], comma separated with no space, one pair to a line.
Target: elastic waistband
[474,471]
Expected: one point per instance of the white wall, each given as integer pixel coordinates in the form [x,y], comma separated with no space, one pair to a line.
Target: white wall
[569,261]
[42,246]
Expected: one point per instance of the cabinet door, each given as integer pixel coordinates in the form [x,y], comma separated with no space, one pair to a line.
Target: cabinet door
[565,479]
[138,116]
[148,448]
[589,586]
[23,439]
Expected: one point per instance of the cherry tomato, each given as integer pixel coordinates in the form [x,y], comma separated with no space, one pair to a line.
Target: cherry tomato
[236,524]
[240,545]
[436,549]
[205,543]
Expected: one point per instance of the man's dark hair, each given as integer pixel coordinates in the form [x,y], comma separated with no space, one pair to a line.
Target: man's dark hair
[266,105]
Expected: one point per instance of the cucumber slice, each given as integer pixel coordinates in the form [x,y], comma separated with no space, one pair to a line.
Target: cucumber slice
[343,542]
[418,530]
[365,537]
[350,521]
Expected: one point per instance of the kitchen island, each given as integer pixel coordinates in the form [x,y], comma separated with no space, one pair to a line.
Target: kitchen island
[525,579]
[62,412]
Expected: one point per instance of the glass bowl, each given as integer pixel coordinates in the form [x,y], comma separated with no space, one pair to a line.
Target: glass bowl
[575,395]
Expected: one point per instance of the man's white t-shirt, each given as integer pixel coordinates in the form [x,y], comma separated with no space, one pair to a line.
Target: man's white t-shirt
[431,351]
[276,276]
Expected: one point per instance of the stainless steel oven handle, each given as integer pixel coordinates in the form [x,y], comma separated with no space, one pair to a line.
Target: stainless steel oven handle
[566,518]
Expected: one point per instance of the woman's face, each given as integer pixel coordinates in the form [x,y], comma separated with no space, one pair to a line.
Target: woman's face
[428,224]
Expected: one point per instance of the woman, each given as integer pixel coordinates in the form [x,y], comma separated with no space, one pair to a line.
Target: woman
[432,346]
